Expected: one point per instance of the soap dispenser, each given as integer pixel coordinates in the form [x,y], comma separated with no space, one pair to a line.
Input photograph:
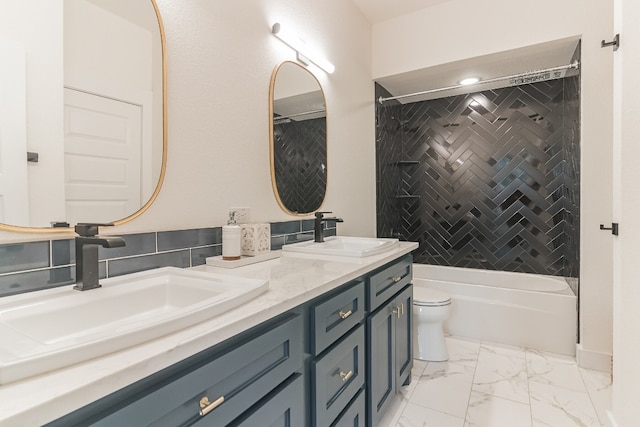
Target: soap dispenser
[231,239]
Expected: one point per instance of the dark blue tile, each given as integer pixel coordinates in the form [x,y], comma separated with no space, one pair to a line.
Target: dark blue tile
[288,227]
[182,239]
[11,284]
[330,232]
[63,252]
[296,238]
[277,242]
[308,225]
[102,269]
[135,244]
[330,224]
[199,255]
[24,256]
[119,267]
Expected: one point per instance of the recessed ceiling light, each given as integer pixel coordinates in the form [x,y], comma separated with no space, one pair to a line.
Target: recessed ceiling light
[469,81]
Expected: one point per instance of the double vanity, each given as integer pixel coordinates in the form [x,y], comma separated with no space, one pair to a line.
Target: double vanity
[310,338]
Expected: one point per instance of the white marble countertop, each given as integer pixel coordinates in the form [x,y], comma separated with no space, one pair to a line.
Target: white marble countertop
[293,280]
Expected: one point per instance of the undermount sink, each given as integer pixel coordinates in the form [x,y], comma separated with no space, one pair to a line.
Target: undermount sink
[50,329]
[344,246]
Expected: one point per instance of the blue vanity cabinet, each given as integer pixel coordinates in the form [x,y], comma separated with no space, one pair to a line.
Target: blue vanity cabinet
[229,382]
[355,414]
[387,281]
[389,337]
[334,361]
[284,407]
[334,315]
[336,377]
[337,348]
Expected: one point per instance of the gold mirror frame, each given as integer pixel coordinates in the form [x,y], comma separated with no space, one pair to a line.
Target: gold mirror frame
[23,229]
[272,139]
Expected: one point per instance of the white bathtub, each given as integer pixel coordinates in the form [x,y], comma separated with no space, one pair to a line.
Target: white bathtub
[527,310]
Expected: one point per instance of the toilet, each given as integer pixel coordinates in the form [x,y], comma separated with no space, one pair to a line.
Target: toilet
[431,307]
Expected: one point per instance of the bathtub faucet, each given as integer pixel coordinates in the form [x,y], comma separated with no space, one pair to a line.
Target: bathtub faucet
[87,243]
[318,232]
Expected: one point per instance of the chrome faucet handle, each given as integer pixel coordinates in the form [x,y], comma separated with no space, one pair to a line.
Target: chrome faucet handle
[90,229]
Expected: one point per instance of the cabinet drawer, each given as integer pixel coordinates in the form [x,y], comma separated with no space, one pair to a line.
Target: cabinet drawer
[236,380]
[336,377]
[284,407]
[354,415]
[335,316]
[385,283]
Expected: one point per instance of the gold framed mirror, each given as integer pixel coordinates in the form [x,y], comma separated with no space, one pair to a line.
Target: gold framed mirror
[91,116]
[298,139]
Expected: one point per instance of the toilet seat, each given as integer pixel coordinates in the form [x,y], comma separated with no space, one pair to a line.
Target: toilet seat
[426,297]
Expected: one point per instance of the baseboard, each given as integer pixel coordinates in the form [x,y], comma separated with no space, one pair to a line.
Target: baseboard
[610,421]
[595,360]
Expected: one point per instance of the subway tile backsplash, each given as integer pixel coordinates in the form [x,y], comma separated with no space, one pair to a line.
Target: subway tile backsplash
[24,256]
[31,266]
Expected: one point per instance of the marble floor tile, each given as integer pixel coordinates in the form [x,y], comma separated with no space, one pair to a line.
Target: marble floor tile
[463,350]
[599,388]
[503,349]
[419,416]
[491,411]
[393,413]
[552,369]
[560,407]
[418,367]
[444,386]
[486,384]
[502,375]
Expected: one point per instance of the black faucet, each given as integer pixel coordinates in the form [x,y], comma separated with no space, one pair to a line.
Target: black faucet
[87,243]
[318,233]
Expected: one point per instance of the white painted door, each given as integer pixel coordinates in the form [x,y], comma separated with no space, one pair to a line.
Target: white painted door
[14,199]
[102,157]
[626,284]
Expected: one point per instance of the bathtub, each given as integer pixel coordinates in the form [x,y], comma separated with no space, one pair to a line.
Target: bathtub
[527,310]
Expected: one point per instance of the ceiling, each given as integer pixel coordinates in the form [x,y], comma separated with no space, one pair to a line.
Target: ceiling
[524,60]
[508,63]
[381,10]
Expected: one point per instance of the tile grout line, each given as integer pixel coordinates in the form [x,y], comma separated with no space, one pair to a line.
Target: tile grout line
[526,364]
[473,378]
[586,388]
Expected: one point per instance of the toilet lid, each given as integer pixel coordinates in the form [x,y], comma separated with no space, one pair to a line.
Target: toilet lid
[426,296]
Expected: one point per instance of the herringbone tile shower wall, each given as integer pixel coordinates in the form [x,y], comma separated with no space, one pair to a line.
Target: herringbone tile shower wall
[300,159]
[486,180]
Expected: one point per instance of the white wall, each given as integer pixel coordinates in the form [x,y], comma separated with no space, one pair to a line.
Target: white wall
[113,57]
[105,47]
[220,56]
[626,340]
[460,29]
[37,25]
[220,59]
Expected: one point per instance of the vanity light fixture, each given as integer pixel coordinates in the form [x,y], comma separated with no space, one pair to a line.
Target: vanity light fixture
[469,81]
[305,53]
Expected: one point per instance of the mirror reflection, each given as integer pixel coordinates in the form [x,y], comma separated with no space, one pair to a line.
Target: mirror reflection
[85,84]
[298,139]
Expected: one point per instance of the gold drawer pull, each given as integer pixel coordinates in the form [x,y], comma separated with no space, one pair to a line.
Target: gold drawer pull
[396,311]
[396,279]
[346,375]
[344,314]
[206,406]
